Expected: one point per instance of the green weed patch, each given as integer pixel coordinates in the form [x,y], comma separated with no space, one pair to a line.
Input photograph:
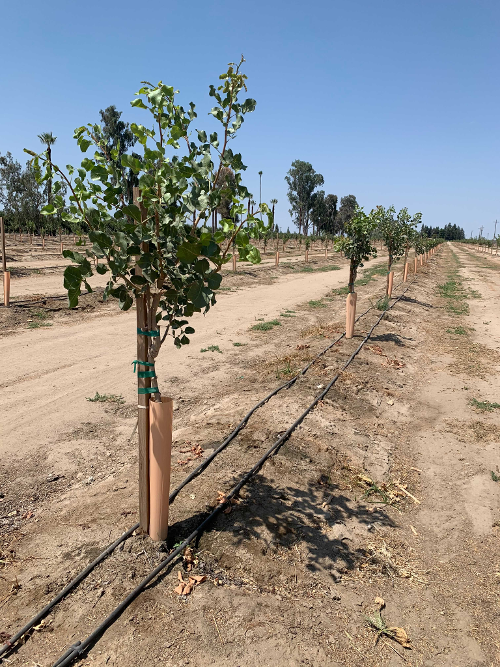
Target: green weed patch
[266,326]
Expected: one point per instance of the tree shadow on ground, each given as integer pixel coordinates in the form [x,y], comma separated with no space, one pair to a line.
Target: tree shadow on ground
[283,515]
[409,299]
[390,338]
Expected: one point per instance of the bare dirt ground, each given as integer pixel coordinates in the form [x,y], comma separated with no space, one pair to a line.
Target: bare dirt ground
[328,526]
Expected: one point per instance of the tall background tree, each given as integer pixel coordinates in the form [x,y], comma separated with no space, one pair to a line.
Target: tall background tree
[118,136]
[21,196]
[324,213]
[348,207]
[226,185]
[302,181]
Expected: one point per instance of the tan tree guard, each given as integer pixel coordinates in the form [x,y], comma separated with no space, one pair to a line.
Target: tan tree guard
[391,282]
[405,274]
[160,452]
[350,314]
[6,289]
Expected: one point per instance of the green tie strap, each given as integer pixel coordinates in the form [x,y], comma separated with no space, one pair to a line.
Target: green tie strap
[143,332]
[142,363]
[148,390]
[146,374]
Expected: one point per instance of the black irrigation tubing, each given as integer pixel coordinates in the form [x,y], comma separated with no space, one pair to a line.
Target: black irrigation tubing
[27,302]
[192,475]
[80,647]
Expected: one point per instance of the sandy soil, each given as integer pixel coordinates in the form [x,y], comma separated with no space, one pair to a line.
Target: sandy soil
[293,571]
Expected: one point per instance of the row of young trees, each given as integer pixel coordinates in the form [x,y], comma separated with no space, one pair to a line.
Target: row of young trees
[311,207]
[397,231]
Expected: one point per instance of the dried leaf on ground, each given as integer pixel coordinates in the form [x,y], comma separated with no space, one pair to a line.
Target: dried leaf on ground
[395,363]
[376,349]
[400,635]
[186,587]
[189,559]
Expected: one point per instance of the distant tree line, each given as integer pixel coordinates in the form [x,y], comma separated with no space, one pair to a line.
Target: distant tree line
[449,232]
[22,198]
[313,209]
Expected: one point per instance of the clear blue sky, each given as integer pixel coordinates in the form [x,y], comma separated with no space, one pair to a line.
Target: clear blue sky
[394,101]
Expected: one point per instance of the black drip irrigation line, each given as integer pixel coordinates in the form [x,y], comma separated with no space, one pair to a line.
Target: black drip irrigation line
[192,475]
[27,302]
[81,647]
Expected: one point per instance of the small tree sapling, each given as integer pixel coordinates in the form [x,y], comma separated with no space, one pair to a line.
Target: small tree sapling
[357,243]
[159,251]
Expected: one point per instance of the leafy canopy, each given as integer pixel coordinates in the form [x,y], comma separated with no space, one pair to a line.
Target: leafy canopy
[159,247]
[357,244]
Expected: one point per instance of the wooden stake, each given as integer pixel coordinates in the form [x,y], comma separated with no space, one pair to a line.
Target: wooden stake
[415,269]
[234,262]
[142,399]
[6,274]
[405,275]
[277,262]
[2,233]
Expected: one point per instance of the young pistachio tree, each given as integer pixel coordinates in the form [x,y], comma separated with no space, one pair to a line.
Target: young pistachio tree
[160,247]
[409,229]
[392,231]
[419,244]
[357,242]
[159,251]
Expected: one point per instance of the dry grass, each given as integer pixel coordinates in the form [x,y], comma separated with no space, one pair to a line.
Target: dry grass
[473,431]
[323,329]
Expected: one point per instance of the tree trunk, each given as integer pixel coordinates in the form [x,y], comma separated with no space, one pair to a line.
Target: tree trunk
[49,181]
[352,277]
[142,398]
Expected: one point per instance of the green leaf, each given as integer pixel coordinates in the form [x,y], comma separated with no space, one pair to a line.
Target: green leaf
[214,280]
[72,277]
[133,211]
[49,209]
[84,144]
[132,162]
[138,280]
[202,266]
[101,269]
[138,103]
[176,132]
[199,295]
[211,249]
[87,164]
[188,252]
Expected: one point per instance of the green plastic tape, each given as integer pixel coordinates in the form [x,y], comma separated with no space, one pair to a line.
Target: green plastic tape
[148,390]
[141,363]
[153,334]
